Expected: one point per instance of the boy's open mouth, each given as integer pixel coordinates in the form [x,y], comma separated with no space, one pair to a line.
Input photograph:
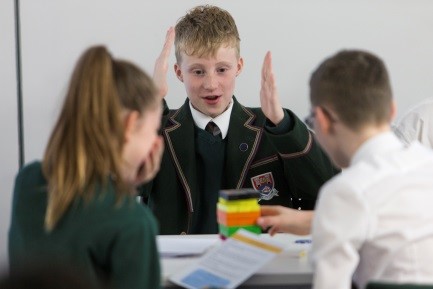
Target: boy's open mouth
[212,97]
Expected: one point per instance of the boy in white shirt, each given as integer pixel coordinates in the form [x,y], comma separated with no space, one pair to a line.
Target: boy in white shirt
[374,220]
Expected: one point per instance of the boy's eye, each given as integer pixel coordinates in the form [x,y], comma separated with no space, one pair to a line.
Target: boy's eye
[198,72]
[222,70]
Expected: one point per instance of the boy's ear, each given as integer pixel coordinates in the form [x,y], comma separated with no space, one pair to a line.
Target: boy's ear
[130,123]
[393,110]
[178,72]
[240,66]
[322,120]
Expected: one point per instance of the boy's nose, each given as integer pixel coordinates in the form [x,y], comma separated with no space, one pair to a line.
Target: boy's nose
[210,82]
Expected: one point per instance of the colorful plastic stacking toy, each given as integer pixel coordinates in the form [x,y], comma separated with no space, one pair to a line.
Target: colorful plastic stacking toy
[238,209]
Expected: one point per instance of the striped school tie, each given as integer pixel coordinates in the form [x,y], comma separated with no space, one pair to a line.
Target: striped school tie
[213,129]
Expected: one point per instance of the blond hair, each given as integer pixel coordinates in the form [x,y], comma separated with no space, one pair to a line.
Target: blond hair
[85,146]
[203,30]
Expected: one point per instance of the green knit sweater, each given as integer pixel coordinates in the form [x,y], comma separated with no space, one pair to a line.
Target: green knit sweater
[107,242]
[210,152]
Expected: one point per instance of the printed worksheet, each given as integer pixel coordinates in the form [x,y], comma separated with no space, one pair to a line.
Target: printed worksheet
[229,264]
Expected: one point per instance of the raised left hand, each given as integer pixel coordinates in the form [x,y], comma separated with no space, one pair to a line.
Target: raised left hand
[269,98]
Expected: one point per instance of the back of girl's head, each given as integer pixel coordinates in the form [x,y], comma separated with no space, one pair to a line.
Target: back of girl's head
[86,144]
[203,30]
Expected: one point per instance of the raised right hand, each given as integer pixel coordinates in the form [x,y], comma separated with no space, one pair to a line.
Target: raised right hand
[161,64]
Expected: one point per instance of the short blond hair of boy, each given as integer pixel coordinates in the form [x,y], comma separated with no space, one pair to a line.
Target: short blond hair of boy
[203,30]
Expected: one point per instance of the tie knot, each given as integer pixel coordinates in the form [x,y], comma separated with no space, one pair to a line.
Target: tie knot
[213,129]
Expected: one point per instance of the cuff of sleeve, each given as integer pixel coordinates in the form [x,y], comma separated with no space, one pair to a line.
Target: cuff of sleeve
[283,127]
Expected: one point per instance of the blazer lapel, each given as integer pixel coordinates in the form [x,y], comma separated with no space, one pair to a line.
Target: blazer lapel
[179,138]
[243,141]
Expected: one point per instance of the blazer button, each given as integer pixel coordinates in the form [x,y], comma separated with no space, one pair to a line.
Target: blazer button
[299,208]
[183,233]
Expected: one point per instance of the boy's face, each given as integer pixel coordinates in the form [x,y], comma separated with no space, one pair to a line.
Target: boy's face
[210,81]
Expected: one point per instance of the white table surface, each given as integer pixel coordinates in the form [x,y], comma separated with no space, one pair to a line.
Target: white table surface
[287,268]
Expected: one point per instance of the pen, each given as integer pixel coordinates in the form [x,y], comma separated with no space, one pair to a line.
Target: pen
[303,241]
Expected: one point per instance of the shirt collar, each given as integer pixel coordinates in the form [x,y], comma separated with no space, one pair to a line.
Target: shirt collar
[377,145]
[222,120]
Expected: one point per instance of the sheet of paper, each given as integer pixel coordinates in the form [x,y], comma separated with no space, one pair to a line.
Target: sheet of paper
[230,264]
[184,247]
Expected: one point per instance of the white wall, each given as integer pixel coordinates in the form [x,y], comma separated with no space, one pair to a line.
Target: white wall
[8,121]
[299,33]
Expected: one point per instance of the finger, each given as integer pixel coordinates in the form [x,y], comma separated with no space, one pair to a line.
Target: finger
[264,68]
[268,210]
[151,169]
[273,230]
[261,221]
[168,44]
[271,224]
[160,146]
[267,65]
[152,163]
[268,59]
[155,157]
[141,175]
[266,222]
[147,173]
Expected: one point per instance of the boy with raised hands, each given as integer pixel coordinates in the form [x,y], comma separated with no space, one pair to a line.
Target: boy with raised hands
[213,142]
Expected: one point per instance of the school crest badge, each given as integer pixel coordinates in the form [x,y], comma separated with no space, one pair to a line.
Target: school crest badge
[265,184]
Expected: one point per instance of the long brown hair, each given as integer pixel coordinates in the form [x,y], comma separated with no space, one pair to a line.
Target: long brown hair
[85,146]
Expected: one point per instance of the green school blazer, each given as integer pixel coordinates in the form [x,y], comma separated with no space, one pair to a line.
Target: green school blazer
[100,240]
[288,168]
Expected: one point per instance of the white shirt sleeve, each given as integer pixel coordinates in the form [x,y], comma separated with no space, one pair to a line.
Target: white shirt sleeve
[409,127]
[339,228]
[417,124]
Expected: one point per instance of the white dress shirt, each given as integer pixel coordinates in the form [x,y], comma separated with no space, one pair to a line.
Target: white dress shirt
[417,124]
[374,221]
[222,120]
